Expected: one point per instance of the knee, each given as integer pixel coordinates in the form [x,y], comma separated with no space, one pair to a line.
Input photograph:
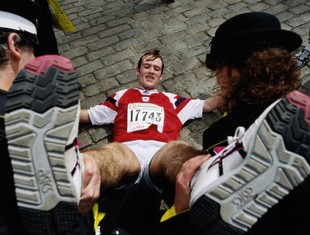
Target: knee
[174,152]
[169,151]
[167,162]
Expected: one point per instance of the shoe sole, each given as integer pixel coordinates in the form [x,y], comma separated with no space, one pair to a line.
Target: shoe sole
[276,163]
[40,112]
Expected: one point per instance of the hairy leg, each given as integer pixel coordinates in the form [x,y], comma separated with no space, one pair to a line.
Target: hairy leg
[117,163]
[166,164]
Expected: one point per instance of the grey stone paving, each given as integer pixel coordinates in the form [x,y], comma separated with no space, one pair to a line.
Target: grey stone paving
[111,35]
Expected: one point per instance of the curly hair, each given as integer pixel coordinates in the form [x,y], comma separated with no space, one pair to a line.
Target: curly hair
[265,76]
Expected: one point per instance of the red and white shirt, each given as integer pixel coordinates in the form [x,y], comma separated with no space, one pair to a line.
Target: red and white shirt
[139,114]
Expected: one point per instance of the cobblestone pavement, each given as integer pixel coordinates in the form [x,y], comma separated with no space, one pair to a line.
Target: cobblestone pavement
[111,35]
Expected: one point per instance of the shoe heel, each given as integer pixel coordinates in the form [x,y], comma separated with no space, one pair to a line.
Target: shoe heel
[41,111]
[277,161]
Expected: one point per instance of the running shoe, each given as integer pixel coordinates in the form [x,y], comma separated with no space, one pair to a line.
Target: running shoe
[303,57]
[236,187]
[41,122]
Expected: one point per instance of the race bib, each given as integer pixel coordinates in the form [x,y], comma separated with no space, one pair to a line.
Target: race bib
[141,116]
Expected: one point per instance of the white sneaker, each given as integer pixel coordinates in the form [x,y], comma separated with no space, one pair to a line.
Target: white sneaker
[303,57]
[233,189]
[41,121]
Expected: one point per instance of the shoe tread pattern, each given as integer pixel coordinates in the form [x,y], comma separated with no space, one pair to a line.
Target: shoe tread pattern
[43,115]
[285,133]
[59,80]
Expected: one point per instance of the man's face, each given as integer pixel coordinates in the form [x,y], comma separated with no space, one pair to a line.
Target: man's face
[149,75]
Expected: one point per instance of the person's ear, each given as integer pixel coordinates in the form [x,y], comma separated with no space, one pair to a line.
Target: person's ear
[14,49]
[137,71]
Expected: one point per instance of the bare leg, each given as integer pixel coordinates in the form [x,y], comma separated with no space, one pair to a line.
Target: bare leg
[167,162]
[118,165]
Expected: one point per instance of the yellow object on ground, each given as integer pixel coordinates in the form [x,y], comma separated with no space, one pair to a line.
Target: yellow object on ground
[98,216]
[60,19]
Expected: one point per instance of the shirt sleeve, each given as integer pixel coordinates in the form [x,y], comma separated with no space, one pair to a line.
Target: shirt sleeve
[192,110]
[186,108]
[101,115]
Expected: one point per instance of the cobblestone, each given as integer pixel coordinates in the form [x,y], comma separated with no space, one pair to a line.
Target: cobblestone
[111,35]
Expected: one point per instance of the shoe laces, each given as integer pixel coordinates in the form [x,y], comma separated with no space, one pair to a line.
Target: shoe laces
[75,144]
[234,144]
[239,132]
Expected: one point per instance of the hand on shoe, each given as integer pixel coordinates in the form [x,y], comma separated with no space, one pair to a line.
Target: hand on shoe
[91,186]
[183,180]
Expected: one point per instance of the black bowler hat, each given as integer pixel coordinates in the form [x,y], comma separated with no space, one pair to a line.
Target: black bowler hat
[19,15]
[248,32]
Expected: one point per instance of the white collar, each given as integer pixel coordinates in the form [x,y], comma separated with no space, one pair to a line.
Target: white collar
[147,91]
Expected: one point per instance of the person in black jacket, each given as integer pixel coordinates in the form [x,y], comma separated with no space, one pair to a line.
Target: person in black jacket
[22,212]
[9,219]
[255,68]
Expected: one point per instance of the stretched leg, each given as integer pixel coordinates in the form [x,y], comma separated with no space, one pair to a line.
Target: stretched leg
[118,165]
[166,164]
